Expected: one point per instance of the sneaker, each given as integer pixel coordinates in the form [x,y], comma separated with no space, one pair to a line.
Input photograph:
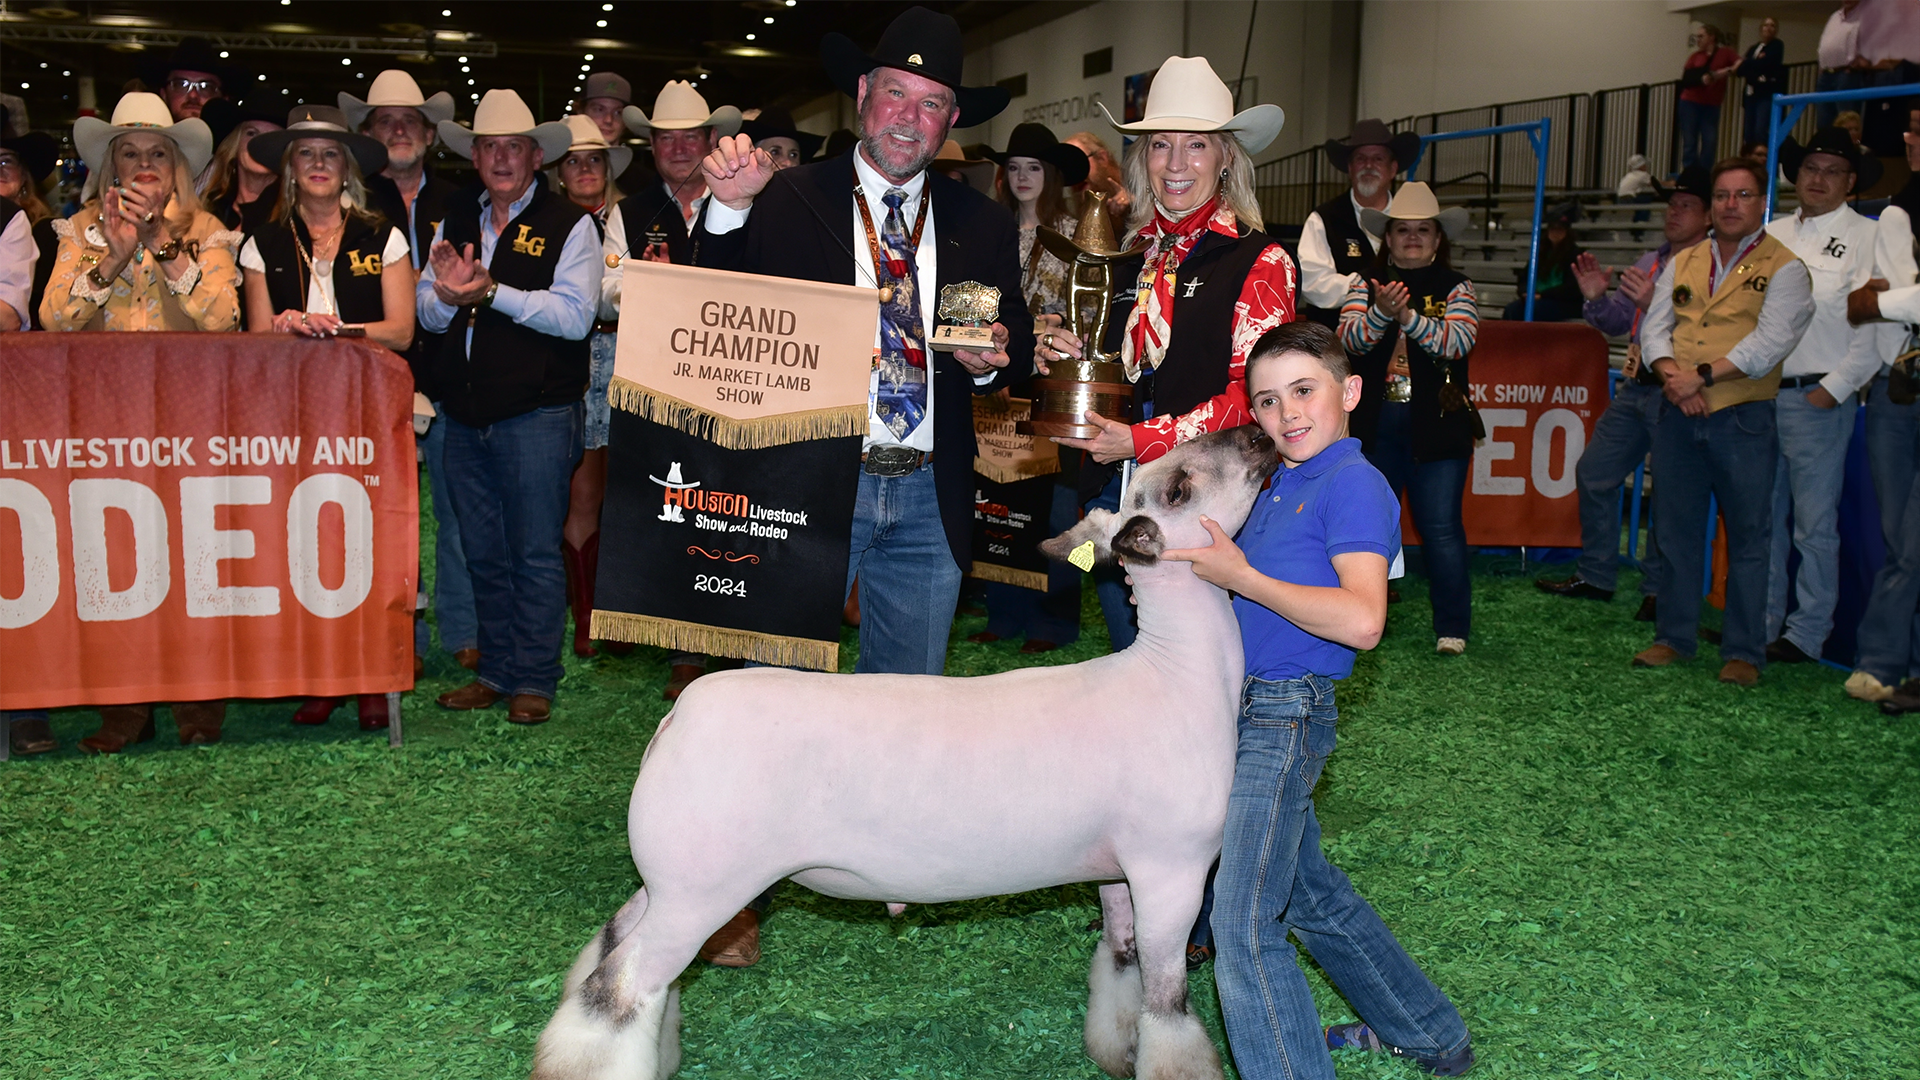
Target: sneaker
[1358,1036]
[1862,686]
[1450,646]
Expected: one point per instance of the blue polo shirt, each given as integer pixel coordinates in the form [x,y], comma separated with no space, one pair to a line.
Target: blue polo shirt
[1330,504]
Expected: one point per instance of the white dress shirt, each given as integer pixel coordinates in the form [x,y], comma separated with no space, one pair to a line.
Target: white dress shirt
[1893,261]
[321,298]
[1839,40]
[1837,248]
[564,309]
[1320,283]
[1784,315]
[17,256]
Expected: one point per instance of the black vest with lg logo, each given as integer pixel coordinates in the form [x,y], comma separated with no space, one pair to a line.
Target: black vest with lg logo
[356,269]
[1352,252]
[513,369]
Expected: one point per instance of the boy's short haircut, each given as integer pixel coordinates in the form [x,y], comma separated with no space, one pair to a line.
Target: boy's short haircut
[1303,337]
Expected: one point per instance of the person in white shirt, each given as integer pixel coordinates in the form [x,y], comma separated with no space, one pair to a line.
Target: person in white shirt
[17,257]
[1841,65]
[1819,382]
[1335,249]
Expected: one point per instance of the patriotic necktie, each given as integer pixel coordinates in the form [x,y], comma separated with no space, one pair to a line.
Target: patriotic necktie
[900,391]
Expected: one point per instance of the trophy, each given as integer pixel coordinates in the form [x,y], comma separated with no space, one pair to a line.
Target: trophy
[967,311]
[1096,382]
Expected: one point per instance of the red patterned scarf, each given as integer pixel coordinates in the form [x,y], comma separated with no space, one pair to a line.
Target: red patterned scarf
[1150,324]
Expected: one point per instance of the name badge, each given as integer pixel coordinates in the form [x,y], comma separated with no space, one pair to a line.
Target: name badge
[656,234]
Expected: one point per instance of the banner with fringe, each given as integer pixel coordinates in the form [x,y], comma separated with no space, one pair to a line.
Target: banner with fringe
[1004,455]
[1009,521]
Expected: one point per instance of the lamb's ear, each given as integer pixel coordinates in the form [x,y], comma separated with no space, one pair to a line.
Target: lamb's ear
[1097,527]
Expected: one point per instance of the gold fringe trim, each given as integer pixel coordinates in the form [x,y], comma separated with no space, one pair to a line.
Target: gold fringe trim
[1005,575]
[1001,474]
[776,430]
[716,640]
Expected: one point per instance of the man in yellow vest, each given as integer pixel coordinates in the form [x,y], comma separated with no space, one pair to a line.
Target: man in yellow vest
[1724,315]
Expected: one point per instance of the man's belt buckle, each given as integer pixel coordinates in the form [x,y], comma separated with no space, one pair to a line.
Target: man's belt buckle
[891,460]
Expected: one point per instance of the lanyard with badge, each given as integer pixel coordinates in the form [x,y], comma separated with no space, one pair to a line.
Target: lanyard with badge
[873,238]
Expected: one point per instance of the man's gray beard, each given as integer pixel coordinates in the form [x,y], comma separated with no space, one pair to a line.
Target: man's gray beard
[928,151]
[1367,189]
[396,165]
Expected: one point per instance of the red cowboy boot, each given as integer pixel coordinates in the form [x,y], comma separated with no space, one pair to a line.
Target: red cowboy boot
[580,572]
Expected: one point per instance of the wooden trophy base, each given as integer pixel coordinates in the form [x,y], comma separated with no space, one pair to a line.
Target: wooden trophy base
[1055,429]
[947,338]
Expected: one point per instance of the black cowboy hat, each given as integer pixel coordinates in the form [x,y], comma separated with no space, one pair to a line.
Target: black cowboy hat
[38,151]
[1835,141]
[223,116]
[1693,180]
[925,43]
[841,141]
[1402,145]
[777,123]
[318,122]
[1036,141]
[1565,213]
[193,54]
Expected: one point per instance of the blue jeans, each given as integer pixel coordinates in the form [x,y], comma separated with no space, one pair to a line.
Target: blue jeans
[1889,632]
[452,587]
[1806,483]
[1726,456]
[1699,133]
[600,377]
[1827,81]
[509,485]
[1274,879]
[1053,615]
[1110,581]
[909,583]
[1434,490]
[1754,118]
[1621,438]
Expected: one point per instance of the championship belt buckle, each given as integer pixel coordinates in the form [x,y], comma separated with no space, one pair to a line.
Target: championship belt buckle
[890,460]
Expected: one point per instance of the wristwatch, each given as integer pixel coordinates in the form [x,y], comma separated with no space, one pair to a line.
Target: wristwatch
[1705,371]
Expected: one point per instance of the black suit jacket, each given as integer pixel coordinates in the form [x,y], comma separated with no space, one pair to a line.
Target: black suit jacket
[802,226]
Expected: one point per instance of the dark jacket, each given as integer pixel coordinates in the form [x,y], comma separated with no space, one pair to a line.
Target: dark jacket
[1764,69]
[802,226]
[1436,435]
[429,209]
[1352,251]
[652,207]
[48,243]
[356,269]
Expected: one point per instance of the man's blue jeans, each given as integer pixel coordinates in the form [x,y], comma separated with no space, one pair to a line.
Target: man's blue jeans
[1274,879]
[1434,490]
[1621,438]
[909,583]
[1807,480]
[1889,632]
[1110,581]
[452,587]
[1699,133]
[1727,456]
[1754,118]
[1827,81]
[509,485]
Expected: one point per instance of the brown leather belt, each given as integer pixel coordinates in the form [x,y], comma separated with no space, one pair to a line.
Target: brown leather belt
[608,327]
[892,460]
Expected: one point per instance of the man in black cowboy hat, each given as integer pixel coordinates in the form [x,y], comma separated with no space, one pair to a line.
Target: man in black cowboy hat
[190,76]
[1624,433]
[1818,384]
[774,131]
[1333,245]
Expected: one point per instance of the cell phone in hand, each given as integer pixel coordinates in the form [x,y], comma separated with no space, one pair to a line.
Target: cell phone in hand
[350,331]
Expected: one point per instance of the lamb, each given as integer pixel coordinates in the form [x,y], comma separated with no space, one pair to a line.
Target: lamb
[922,789]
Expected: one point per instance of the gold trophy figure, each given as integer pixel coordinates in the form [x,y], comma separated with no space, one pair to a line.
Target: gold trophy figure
[1096,382]
[967,310]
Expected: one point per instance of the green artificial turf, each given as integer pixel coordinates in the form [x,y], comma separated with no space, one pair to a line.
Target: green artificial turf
[1615,873]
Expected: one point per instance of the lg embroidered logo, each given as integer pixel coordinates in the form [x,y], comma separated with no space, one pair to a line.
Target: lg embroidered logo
[535,246]
[1834,248]
[363,266]
[1435,307]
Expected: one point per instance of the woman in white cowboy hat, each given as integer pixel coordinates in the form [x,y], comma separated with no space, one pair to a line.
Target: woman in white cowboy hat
[1211,284]
[1409,327]
[141,254]
[586,173]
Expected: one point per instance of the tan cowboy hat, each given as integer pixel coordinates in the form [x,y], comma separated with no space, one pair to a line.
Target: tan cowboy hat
[1187,96]
[397,88]
[679,107]
[586,136]
[1415,202]
[502,112]
[142,112]
[317,122]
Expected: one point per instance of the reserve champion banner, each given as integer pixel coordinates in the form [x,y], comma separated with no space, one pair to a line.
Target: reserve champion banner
[741,360]
[191,517]
[1003,454]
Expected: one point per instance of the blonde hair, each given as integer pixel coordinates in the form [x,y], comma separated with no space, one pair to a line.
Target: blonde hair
[353,188]
[613,193]
[224,171]
[1236,191]
[181,208]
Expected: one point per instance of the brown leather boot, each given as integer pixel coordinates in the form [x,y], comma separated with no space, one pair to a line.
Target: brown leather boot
[199,721]
[120,726]
[1657,656]
[471,696]
[581,563]
[737,944]
[468,658]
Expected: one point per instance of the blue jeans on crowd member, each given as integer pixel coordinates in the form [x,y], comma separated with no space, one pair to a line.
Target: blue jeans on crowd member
[1699,133]
[1110,581]
[1434,490]
[1053,615]
[1754,118]
[1621,438]
[1889,632]
[1811,469]
[1726,456]
[509,484]
[1274,880]
[1828,81]
[452,586]
[599,417]
[909,583]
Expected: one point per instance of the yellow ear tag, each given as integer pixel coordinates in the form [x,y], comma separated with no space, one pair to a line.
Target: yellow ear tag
[1082,557]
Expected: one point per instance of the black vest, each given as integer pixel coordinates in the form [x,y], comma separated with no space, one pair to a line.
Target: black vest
[49,244]
[1352,251]
[356,269]
[429,209]
[513,369]
[652,208]
[1436,436]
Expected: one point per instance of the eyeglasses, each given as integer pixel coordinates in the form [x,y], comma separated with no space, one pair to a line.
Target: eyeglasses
[188,86]
[1829,172]
[1741,196]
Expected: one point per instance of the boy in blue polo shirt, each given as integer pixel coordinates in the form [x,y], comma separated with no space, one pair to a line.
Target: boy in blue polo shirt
[1309,579]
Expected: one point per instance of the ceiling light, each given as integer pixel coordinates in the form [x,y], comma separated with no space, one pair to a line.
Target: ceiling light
[606,7]
[346,61]
[24,86]
[286,3]
[465,68]
[463,59]
[283,90]
[359,74]
[790,3]
[446,13]
[588,56]
[602,23]
[53,9]
[263,78]
[223,56]
[469,82]
[749,37]
[69,73]
[43,63]
[768,20]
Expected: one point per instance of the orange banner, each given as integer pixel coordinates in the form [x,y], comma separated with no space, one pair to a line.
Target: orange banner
[189,517]
[1540,387]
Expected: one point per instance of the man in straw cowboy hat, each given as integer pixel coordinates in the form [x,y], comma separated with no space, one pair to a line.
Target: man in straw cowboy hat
[657,218]
[1334,245]
[512,282]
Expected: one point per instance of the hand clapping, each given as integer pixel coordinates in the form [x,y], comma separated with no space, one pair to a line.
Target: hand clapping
[1391,299]
[1592,278]
[458,277]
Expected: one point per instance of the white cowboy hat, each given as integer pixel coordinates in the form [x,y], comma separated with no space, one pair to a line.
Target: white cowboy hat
[1187,96]
[397,88]
[1415,202]
[586,136]
[681,108]
[142,112]
[502,112]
